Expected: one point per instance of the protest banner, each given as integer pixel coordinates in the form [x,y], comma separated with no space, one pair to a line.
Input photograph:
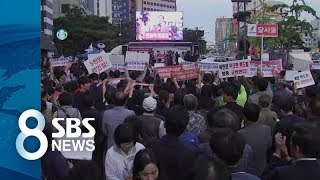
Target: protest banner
[290,75]
[98,63]
[136,66]
[184,75]
[303,79]
[233,68]
[188,65]
[165,72]
[208,67]
[61,61]
[274,64]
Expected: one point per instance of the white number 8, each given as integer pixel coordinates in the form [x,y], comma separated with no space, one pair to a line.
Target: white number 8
[36,132]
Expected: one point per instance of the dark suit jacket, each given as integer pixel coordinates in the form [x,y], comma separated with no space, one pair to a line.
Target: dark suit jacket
[258,136]
[298,170]
[176,159]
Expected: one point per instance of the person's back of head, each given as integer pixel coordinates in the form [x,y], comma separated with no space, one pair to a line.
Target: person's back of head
[83,80]
[262,84]
[315,106]
[85,170]
[176,120]
[119,98]
[207,78]
[163,95]
[264,101]
[190,102]
[116,74]
[94,77]
[223,118]
[209,168]
[305,141]
[227,145]
[65,99]
[286,105]
[236,85]
[103,76]
[251,111]
[230,94]
[178,97]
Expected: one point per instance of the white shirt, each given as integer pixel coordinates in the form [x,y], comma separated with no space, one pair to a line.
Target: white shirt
[118,166]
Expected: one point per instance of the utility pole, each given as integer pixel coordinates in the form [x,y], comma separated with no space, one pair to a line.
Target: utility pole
[120,33]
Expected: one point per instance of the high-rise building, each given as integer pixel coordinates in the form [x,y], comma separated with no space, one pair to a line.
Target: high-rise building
[47,33]
[223,31]
[61,7]
[156,5]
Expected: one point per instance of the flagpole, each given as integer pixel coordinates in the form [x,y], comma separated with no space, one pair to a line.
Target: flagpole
[261,51]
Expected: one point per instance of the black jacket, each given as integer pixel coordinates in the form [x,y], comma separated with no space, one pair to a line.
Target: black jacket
[176,159]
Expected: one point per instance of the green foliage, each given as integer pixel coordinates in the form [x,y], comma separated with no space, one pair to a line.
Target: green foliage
[84,30]
[290,29]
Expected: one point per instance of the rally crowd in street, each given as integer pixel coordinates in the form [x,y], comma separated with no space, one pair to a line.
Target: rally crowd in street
[206,128]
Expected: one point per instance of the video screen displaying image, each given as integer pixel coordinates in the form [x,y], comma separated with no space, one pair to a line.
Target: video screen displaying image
[152,26]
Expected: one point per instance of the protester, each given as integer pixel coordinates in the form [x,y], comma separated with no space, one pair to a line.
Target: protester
[266,116]
[85,170]
[196,122]
[175,158]
[146,166]
[258,136]
[112,118]
[228,146]
[148,125]
[119,158]
[304,146]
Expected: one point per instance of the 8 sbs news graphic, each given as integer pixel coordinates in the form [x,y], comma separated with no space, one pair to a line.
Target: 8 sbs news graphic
[63,140]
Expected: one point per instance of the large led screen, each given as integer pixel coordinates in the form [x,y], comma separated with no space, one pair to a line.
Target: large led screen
[159,25]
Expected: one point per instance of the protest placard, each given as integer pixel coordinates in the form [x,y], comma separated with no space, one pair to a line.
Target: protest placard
[116,59]
[159,65]
[303,79]
[274,64]
[253,71]
[98,63]
[290,75]
[184,75]
[206,67]
[233,68]
[143,57]
[118,66]
[131,56]
[165,72]
[314,66]
[61,61]
[136,66]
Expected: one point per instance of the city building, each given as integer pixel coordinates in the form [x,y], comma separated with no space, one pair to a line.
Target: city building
[156,5]
[311,41]
[47,34]
[61,7]
[223,32]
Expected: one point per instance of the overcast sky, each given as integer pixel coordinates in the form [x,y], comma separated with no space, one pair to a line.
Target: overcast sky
[203,13]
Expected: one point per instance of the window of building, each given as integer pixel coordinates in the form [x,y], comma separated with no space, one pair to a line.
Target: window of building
[151,3]
[65,8]
[144,2]
[145,9]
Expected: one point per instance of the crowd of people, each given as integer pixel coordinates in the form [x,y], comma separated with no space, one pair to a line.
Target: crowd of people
[207,128]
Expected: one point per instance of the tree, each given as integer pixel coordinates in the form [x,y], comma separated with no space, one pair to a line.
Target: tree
[86,29]
[291,28]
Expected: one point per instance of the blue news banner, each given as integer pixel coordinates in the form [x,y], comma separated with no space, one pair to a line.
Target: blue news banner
[19,84]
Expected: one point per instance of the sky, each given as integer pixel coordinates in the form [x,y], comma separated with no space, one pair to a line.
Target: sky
[203,13]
